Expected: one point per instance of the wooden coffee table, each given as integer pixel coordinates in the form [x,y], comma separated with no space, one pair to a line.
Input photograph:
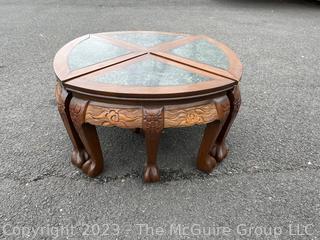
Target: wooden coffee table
[148,81]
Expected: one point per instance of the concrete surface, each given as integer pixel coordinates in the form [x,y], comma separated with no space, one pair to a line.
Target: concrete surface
[270,180]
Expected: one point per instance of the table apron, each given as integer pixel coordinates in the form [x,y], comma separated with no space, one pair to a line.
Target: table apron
[180,115]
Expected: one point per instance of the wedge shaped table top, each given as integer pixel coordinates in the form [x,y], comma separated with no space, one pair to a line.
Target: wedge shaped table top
[149,81]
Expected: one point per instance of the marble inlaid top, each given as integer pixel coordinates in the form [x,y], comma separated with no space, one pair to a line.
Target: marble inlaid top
[204,52]
[146,59]
[93,50]
[150,73]
[145,39]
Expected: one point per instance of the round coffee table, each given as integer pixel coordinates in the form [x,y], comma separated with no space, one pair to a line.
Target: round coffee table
[148,81]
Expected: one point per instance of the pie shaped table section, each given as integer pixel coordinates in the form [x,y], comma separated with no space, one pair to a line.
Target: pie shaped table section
[149,81]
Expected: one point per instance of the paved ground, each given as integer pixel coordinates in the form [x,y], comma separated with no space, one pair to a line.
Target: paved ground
[270,180]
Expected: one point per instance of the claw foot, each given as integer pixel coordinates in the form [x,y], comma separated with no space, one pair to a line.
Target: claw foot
[82,160]
[91,168]
[208,165]
[220,151]
[79,157]
[151,174]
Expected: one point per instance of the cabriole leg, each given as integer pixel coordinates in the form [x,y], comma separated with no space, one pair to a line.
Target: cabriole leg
[153,119]
[79,155]
[93,164]
[206,161]
[221,149]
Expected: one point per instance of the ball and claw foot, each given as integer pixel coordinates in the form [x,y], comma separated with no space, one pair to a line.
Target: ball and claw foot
[220,151]
[79,157]
[151,174]
[82,160]
[91,169]
[208,165]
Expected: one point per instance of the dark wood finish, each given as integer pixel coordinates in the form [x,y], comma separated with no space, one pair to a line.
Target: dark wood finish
[220,150]
[93,163]
[175,100]
[206,162]
[79,155]
[83,103]
[153,123]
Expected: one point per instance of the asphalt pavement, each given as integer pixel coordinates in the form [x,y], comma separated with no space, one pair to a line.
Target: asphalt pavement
[267,187]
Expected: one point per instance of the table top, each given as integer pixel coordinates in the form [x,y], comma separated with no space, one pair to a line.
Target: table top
[146,64]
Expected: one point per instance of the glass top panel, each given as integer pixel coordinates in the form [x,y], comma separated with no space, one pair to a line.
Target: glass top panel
[92,51]
[146,39]
[150,73]
[204,52]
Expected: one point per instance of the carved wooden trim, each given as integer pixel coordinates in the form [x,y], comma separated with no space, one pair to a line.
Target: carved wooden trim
[61,95]
[191,116]
[77,110]
[133,117]
[111,116]
[153,119]
[223,107]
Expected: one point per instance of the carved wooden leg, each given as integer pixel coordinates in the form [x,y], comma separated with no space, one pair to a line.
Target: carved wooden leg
[206,161]
[153,119]
[79,155]
[221,150]
[93,164]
